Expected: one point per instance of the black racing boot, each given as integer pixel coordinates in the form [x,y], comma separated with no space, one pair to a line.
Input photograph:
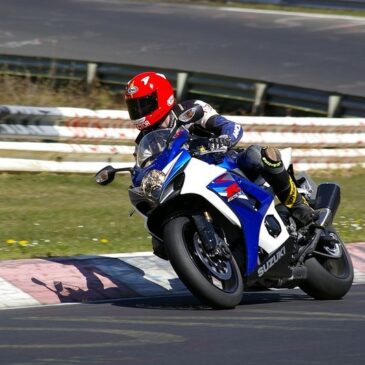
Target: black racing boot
[284,187]
[302,213]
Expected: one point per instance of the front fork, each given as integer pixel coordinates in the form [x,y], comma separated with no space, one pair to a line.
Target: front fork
[213,244]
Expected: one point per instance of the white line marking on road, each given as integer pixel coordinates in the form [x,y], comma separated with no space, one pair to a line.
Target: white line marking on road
[295,14]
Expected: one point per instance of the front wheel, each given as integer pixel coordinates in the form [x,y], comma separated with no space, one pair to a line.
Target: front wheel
[215,281]
[329,278]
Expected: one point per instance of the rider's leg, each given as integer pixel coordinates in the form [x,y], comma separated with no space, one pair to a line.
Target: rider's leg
[284,187]
[267,161]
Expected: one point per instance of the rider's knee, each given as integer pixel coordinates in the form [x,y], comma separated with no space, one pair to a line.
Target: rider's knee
[257,160]
[250,162]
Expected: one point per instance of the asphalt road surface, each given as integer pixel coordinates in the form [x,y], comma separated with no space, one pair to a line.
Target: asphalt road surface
[318,52]
[277,327]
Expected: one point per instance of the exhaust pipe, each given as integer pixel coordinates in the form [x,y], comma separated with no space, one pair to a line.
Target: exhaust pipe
[327,201]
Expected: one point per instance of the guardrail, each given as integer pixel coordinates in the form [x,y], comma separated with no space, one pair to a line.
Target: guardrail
[232,95]
[81,139]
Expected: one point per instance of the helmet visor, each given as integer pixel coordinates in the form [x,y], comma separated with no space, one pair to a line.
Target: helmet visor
[140,107]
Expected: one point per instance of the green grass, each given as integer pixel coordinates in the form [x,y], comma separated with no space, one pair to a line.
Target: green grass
[58,215]
[53,215]
[350,218]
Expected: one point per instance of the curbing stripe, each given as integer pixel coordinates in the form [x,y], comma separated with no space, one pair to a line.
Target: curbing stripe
[35,282]
[11,296]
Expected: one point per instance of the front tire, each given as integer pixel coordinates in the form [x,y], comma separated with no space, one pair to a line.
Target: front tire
[215,282]
[329,278]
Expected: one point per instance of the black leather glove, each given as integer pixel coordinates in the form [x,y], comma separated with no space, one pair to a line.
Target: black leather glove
[222,143]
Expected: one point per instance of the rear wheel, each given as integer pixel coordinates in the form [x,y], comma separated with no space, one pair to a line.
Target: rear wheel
[329,277]
[215,281]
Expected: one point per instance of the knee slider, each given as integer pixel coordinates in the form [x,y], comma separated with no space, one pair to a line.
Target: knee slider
[271,157]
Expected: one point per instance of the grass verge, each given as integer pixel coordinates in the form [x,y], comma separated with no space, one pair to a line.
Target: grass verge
[56,215]
[16,90]
[60,215]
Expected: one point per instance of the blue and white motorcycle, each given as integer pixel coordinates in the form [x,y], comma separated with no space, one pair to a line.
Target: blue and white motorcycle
[224,234]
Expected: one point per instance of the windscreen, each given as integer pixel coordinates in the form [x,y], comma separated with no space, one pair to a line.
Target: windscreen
[151,145]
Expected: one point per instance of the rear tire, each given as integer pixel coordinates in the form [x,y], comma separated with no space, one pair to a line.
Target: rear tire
[329,278]
[215,282]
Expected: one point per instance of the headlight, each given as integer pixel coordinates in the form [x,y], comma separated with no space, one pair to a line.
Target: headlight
[152,183]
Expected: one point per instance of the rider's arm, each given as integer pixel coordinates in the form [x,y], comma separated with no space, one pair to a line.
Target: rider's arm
[219,125]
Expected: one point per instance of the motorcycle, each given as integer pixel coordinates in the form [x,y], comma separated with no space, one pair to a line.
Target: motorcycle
[224,234]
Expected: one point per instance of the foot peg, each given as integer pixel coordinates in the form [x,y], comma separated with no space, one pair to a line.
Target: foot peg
[299,272]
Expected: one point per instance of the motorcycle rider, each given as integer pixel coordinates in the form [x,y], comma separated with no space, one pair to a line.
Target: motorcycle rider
[151,105]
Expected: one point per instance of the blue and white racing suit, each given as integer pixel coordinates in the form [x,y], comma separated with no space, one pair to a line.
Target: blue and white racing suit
[211,124]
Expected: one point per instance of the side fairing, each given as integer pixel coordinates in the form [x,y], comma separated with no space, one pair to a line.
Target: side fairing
[251,204]
[198,175]
[272,241]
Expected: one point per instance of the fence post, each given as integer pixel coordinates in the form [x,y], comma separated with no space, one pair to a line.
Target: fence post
[334,103]
[181,85]
[259,97]
[91,73]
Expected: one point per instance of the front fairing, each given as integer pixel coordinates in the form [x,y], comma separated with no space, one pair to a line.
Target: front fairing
[161,159]
[228,161]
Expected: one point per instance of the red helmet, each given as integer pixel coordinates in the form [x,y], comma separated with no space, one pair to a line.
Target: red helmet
[149,97]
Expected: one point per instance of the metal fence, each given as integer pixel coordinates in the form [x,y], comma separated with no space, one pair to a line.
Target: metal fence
[84,140]
[229,94]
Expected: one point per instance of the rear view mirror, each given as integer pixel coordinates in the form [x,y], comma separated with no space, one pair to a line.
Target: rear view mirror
[106,175]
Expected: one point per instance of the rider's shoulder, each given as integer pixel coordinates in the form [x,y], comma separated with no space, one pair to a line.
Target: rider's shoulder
[187,104]
[184,105]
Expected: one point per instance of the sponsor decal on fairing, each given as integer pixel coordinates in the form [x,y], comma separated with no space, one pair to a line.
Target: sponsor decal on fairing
[228,188]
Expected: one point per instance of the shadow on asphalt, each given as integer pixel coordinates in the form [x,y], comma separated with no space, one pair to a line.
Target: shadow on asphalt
[128,287]
[188,302]
[93,279]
